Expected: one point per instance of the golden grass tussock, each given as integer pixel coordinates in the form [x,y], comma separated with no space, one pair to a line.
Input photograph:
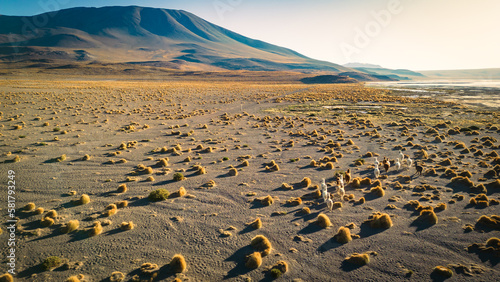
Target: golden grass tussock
[178,264]
[428,216]
[96,229]
[366,181]
[256,224]
[75,278]
[356,182]
[7,277]
[343,235]
[442,271]
[117,276]
[360,201]
[111,209]
[358,259]
[267,201]
[323,220]
[380,220]
[492,221]
[122,188]
[461,181]
[305,210]
[29,207]
[47,221]
[261,244]
[286,186]
[233,172]
[84,199]
[274,167]
[181,192]
[440,207]
[377,191]
[279,268]
[121,204]
[71,226]
[305,182]
[51,214]
[127,225]
[253,260]
[39,210]
[295,201]
[162,163]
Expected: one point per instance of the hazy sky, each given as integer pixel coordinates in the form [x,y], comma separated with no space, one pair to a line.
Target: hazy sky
[413,34]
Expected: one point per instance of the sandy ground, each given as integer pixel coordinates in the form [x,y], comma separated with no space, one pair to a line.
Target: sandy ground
[43,120]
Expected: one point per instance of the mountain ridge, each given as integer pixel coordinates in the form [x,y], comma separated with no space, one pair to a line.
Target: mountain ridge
[133,33]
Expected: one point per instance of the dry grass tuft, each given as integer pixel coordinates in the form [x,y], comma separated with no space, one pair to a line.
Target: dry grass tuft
[323,220]
[71,226]
[29,207]
[428,216]
[178,263]
[492,221]
[358,259]
[377,191]
[122,188]
[233,172]
[261,244]
[442,271]
[343,235]
[267,201]
[380,220]
[254,260]
[305,182]
[84,199]
[256,224]
[6,278]
[127,225]
[295,201]
[117,277]
[121,204]
[96,229]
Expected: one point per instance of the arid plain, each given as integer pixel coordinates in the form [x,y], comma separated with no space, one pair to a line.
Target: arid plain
[231,152]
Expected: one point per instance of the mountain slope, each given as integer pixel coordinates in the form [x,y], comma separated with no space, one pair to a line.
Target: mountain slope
[138,34]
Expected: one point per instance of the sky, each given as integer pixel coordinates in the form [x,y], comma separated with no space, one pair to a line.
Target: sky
[409,34]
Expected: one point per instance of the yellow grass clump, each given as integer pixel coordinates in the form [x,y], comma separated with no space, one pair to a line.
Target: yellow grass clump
[377,191]
[323,220]
[305,210]
[127,225]
[96,229]
[6,278]
[267,201]
[428,216]
[305,182]
[256,224]
[360,201]
[295,201]
[84,199]
[278,269]
[29,207]
[442,271]
[122,188]
[75,278]
[117,277]
[178,263]
[47,221]
[380,220]
[440,207]
[121,204]
[254,260]
[51,214]
[358,259]
[71,226]
[39,210]
[111,209]
[181,192]
[461,181]
[233,172]
[261,244]
[343,235]
[492,221]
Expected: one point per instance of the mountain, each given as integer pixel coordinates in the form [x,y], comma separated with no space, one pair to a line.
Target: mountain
[361,65]
[482,74]
[143,36]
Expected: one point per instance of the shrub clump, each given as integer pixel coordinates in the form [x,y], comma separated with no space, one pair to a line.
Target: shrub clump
[84,199]
[51,262]
[379,220]
[178,263]
[29,207]
[158,195]
[428,216]
[178,176]
[343,235]
[305,182]
[122,188]
[254,260]
[358,259]
[96,229]
[442,271]
[233,172]
[71,226]
[261,244]
[377,191]
[280,268]
[323,220]
[256,224]
[127,225]
[267,201]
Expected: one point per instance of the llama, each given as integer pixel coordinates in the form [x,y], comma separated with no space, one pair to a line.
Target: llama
[418,168]
[376,171]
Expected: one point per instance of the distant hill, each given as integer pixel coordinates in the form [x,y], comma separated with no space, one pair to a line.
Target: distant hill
[484,74]
[145,36]
[361,65]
